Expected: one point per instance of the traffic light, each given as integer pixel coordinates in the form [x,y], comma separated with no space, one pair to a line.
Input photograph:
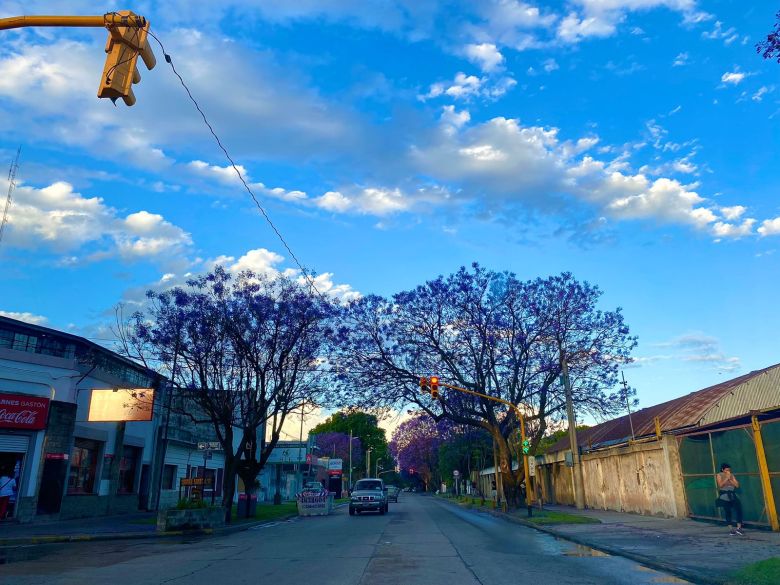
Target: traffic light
[424,385]
[124,45]
[434,381]
[526,447]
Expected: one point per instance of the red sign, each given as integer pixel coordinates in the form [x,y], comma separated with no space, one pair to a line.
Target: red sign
[19,411]
[308,458]
[57,456]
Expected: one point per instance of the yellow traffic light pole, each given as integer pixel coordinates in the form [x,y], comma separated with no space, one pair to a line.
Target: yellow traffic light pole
[425,383]
[106,21]
[127,40]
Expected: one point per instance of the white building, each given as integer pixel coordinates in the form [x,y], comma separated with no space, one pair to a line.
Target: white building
[65,466]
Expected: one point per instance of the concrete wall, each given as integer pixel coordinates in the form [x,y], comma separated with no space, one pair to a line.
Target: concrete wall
[643,478]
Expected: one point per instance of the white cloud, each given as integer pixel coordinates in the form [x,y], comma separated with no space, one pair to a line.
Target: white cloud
[727,35]
[770,227]
[698,347]
[452,120]
[486,56]
[63,221]
[261,261]
[733,77]
[734,212]
[573,28]
[722,229]
[550,65]
[681,60]
[48,89]
[25,316]
[600,18]
[502,163]
[762,91]
[466,87]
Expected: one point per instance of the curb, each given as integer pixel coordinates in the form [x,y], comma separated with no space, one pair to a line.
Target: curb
[66,538]
[650,562]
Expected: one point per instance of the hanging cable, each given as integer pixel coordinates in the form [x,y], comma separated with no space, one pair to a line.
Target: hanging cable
[305,273]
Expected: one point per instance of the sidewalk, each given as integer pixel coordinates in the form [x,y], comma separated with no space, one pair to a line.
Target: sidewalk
[126,526]
[698,551]
[140,525]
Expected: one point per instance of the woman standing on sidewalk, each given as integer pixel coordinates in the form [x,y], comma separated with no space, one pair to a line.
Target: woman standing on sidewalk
[727,497]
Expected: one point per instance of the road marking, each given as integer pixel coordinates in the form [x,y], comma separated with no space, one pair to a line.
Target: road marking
[271,524]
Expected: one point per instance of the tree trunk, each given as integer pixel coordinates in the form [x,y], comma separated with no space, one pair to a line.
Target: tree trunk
[510,481]
[229,488]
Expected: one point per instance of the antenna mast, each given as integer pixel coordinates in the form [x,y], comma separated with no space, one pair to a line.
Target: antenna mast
[11,186]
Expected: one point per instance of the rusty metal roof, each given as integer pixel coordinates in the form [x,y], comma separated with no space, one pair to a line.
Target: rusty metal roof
[681,413]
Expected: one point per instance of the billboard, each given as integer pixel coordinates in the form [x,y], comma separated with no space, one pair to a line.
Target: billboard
[124,404]
[334,466]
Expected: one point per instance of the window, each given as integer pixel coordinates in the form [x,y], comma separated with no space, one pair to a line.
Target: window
[169,477]
[83,467]
[127,468]
[24,342]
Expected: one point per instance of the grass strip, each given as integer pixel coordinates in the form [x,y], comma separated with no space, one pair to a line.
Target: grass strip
[268,512]
[766,572]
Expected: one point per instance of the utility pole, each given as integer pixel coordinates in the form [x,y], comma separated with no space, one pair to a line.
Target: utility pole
[350,460]
[628,404]
[579,484]
[368,462]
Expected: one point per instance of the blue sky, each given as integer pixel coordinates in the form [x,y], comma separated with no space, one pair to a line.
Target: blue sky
[632,142]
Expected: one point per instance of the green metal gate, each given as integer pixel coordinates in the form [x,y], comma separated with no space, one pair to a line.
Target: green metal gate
[701,456]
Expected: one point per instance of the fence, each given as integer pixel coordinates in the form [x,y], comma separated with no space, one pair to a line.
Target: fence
[701,455]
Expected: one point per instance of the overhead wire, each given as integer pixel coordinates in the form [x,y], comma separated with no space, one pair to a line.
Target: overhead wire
[304,272]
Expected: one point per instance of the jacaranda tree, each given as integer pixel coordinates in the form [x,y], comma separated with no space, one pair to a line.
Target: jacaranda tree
[241,353]
[415,445]
[492,333]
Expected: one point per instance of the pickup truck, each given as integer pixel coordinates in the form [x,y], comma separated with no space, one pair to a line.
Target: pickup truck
[368,495]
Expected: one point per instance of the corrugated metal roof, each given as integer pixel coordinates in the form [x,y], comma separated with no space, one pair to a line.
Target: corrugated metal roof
[720,402]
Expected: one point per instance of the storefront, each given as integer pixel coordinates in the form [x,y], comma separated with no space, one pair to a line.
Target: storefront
[22,417]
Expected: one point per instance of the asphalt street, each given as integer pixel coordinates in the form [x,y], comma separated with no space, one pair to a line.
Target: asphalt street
[421,541]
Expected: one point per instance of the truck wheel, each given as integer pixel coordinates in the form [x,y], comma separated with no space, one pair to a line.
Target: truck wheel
[382,511]
[351,511]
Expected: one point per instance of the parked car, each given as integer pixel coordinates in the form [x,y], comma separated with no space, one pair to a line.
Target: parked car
[392,493]
[368,495]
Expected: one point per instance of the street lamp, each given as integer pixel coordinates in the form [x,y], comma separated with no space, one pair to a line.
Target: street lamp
[351,438]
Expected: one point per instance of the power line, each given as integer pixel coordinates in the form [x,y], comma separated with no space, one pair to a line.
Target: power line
[169,60]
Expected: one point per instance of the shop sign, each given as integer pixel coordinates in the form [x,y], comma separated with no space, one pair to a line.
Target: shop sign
[196,481]
[335,466]
[19,411]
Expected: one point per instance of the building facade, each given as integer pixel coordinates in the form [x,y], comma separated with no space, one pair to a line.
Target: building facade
[63,465]
[662,461]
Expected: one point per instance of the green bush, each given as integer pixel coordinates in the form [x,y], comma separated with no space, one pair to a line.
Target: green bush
[191,504]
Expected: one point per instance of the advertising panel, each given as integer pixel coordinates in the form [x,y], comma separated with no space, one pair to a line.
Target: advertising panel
[19,411]
[124,404]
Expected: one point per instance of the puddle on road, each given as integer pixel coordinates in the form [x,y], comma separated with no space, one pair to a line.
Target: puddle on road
[580,550]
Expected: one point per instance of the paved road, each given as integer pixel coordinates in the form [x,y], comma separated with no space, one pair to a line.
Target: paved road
[421,541]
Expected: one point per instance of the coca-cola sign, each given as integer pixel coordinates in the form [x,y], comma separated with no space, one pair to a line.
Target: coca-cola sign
[18,411]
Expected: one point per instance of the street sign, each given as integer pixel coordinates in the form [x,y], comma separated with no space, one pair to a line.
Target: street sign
[456,473]
[209,446]
[532,466]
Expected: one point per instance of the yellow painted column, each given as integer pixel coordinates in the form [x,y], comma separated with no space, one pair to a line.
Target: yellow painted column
[769,498]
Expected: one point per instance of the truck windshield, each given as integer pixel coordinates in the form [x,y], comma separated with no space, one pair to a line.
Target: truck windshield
[368,485]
